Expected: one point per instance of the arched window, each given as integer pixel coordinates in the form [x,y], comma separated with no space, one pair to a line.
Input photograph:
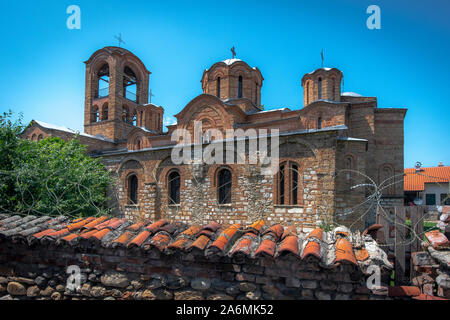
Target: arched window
[319,88]
[240,87]
[138,144]
[103,81]
[33,137]
[134,119]
[218,87]
[386,177]
[319,123]
[174,187]
[288,187]
[133,189]
[349,164]
[224,186]
[94,115]
[141,118]
[40,137]
[105,112]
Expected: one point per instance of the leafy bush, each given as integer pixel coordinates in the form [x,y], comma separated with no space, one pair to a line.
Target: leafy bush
[49,177]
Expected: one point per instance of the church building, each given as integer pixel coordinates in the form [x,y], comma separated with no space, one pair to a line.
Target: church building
[334,152]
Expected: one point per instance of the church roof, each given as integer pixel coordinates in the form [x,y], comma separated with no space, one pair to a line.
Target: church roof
[65,129]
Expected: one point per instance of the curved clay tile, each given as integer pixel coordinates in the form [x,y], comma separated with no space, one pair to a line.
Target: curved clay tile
[43,233]
[94,222]
[139,239]
[78,225]
[70,237]
[289,241]
[362,254]
[136,226]
[160,240]
[156,225]
[344,251]
[244,244]
[267,247]
[313,243]
[123,238]
[212,226]
[100,234]
[87,234]
[201,243]
[191,231]
[277,230]
[221,242]
[179,244]
[59,233]
[256,226]
[403,291]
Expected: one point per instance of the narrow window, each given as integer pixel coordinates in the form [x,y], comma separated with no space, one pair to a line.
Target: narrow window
[134,120]
[294,170]
[94,115]
[40,137]
[240,87]
[319,88]
[281,184]
[138,145]
[307,93]
[224,186]
[174,188]
[319,123]
[140,120]
[103,82]
[333,89]
[218,87]
[133,189]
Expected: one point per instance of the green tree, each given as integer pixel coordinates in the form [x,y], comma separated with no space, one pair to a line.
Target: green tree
[52,176]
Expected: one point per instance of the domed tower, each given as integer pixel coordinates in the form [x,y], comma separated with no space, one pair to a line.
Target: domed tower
[116,83]
[233,79]
[322,84]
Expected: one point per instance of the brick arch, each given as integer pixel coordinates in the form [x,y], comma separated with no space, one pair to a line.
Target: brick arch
[289,162]
[390,190]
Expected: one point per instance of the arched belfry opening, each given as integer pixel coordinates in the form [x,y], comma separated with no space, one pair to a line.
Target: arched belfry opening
[115,78]
[103,81]
[130,84]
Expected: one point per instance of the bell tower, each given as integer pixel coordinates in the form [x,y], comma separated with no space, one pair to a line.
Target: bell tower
[116,84]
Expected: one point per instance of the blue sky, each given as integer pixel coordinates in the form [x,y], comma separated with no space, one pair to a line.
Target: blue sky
[405,64]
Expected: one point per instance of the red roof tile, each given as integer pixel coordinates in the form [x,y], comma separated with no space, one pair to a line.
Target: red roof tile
[404,291]
[344,252]
[414,181]
[313,241]
[437,239]
[78,225]
[223,239]
[244,244]
[156,225]
[139,239]
[95,222]
[201,243]
[289,241]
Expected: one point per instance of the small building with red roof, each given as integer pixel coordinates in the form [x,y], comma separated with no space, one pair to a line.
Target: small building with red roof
[430,185]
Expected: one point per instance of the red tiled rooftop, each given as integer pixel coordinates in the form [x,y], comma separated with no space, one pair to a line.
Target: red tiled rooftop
[414,181]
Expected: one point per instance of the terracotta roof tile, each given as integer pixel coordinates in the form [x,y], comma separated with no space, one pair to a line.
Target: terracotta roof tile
[43,233]
[403,291]
[312,244]
[221,242]
[95,222]
[437,239]
[139,239]
[243,245]
[414,181]
[153,227]
[201,243]
[78,225]
[256,240]
[289,242]
[344,252]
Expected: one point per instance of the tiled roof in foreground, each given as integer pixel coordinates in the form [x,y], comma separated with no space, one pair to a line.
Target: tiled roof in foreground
[255,240]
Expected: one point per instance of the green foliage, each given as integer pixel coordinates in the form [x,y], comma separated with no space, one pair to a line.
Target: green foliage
[49,177]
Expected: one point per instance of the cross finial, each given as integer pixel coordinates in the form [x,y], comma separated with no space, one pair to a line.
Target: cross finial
[119,38]
[150,95]
[233,52]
